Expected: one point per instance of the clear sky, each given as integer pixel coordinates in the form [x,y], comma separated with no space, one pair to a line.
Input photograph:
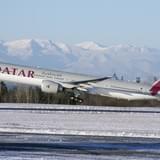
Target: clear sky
[107,22]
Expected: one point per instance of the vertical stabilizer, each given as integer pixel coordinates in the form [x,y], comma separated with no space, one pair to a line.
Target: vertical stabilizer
[155,88]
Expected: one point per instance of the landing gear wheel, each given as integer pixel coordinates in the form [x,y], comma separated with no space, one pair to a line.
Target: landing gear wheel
[80,100]
[75,100]
[75,97]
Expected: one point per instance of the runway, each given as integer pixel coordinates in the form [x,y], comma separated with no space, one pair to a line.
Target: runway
[37,146]
[78,132]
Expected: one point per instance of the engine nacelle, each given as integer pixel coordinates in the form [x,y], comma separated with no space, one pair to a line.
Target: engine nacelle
[50,87]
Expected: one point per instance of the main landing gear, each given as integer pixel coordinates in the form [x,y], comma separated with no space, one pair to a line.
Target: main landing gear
[75,98]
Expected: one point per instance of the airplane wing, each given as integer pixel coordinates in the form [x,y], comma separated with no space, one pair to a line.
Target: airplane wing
[82,85]
[90,80]
[119,95]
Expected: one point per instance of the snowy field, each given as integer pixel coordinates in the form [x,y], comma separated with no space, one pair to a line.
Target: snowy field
[42,156]
[63,132]
[80,120]
[33,146]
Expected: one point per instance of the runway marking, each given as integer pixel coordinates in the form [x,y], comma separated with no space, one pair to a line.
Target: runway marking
[76,110]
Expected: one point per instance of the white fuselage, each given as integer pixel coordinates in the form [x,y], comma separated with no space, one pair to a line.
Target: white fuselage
[35,76]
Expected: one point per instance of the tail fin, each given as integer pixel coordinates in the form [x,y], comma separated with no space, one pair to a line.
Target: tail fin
[155,88]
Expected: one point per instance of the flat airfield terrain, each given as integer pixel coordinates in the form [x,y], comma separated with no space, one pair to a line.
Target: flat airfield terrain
[78,132]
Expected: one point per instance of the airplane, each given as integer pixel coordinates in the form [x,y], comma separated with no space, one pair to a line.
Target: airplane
[126,90]
[50,81]
[53,81]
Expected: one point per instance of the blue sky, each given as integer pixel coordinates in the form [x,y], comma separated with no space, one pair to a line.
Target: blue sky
[107,22]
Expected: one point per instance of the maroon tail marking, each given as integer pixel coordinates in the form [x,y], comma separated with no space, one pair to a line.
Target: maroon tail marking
[155,88]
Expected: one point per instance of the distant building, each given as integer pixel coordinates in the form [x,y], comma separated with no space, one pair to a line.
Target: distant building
[138,79]
[115,76]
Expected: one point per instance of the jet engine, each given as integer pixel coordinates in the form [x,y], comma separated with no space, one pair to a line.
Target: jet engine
[50,87]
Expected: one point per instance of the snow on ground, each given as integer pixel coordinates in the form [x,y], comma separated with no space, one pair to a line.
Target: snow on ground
[113,122]
[41,156]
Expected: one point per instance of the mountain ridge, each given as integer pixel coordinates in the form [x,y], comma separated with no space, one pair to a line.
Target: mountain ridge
[125,60]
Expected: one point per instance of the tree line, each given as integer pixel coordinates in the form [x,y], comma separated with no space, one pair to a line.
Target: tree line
[31,94]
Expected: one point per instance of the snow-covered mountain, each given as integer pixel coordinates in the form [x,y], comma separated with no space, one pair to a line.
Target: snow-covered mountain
[87,57]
